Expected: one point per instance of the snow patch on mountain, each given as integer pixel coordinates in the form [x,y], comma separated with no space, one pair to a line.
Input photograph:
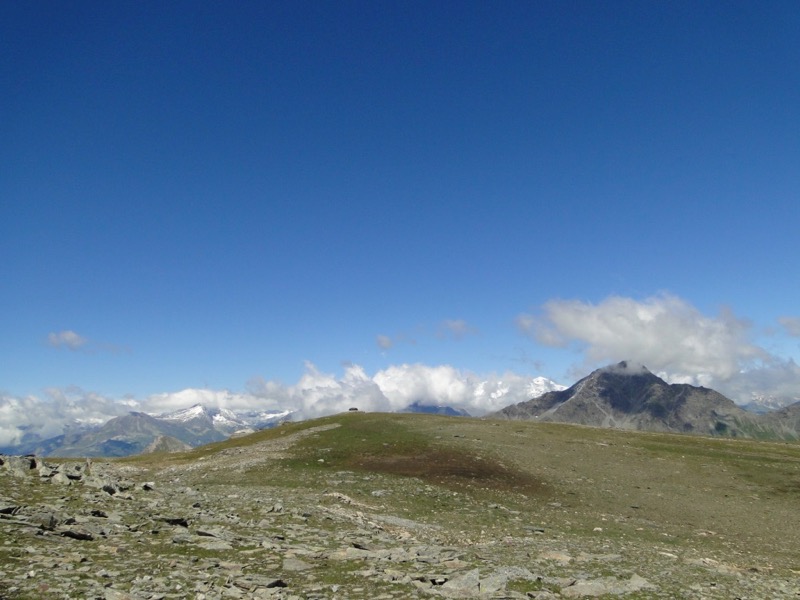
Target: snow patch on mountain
[183,415]
[225,419]
[764,403]
[542,385]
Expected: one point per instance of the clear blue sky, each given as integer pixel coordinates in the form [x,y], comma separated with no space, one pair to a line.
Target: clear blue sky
[196,194]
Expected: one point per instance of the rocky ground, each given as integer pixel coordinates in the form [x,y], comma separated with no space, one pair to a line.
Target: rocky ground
[246,522]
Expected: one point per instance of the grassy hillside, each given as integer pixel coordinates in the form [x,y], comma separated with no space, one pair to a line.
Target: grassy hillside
[677,491]
[397,506]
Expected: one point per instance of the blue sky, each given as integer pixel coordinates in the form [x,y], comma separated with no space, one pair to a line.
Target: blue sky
[203,195]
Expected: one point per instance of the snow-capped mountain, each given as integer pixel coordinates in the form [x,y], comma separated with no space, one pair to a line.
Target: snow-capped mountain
[495,394]
[198,411]
[224,420]
[764,403]
[542,385]
[135,432]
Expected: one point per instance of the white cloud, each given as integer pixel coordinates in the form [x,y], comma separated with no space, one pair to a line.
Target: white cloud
[626,368]
[446,385]
[669,336]
[394,388]
[172,401]
[791,324]
[57,410]
[317,394]
[776,378]
[405,384]
[66,339]
[320,394]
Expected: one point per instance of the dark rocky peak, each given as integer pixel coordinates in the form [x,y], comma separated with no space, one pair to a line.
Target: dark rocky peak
[627,395]
[626,386]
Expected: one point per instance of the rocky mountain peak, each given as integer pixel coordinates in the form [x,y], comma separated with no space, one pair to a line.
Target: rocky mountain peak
[627,395]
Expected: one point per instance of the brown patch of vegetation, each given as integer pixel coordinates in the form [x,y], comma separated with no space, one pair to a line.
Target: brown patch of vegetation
[452,469]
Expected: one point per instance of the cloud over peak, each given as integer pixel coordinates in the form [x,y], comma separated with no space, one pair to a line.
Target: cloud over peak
[663,332]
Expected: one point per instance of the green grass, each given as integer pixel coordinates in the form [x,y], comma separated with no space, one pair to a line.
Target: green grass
[388,445]
[649,488]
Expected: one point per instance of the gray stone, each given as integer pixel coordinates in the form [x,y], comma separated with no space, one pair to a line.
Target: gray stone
[499,578]
[605,586]
[215,545]
[60,478]
[463,586]
[295,564]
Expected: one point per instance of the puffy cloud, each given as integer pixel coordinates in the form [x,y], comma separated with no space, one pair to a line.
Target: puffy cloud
[664,332]
[66,339]
[791,325]
[394,388]
[172,401]
[446,385]
[318,394]
[405,384]
[777,379]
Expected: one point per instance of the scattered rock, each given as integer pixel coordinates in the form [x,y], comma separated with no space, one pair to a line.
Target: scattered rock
[605,586]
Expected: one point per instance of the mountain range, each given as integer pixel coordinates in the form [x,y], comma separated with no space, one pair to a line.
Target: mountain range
[621,396]
[139,432]
[628,396]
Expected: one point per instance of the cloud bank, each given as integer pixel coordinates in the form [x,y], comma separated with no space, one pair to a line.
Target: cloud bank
[55,411]
[315,394]
[394,388]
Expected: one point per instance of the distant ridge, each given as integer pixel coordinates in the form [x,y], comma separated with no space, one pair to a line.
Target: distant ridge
[138,432]
[419,407]
[623,396]
[165,443]
[628,396]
